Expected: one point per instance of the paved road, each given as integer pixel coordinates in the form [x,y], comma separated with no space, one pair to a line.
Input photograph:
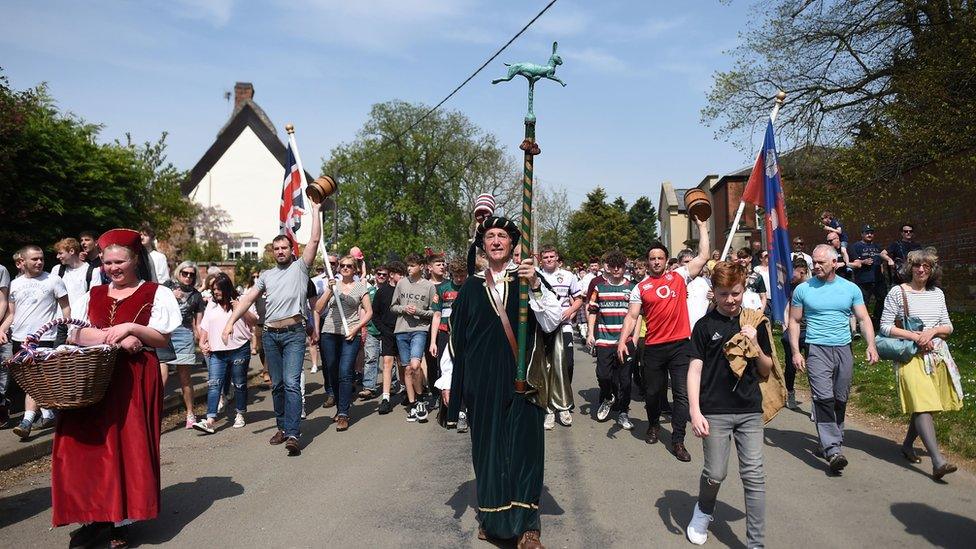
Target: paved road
[387,483]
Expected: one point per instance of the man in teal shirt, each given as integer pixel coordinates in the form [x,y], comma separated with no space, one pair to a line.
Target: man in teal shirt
[826,302]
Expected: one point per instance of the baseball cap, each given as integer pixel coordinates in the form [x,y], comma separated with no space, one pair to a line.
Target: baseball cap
[868,228]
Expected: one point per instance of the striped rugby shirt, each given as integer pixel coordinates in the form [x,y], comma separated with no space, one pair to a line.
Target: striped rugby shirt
[612,302]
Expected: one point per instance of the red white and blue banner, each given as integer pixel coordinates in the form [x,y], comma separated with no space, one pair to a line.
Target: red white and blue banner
[292,202]
[765,189]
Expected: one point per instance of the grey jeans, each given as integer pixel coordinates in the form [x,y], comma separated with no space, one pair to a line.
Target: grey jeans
[830,370]
[6,350]
[747,430]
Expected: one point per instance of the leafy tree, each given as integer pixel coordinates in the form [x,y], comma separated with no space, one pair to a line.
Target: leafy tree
[403,188]
[597,227]
[552,211]
[882,94]
[643,216]
[57,180]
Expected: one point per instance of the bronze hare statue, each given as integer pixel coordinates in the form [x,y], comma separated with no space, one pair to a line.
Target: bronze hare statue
[534,72]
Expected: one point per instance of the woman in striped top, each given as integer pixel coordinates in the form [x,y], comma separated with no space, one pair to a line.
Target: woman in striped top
[929,382]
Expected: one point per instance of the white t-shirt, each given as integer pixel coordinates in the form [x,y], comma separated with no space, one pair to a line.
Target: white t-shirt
[160,266]
[585,282]
[76,281]
[164,317]
[698,299]
[36,303]
[567,288]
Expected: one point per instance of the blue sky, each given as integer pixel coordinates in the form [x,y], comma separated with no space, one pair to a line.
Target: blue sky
[637,73]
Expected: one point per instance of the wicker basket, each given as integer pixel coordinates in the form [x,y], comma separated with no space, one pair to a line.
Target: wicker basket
[63,381]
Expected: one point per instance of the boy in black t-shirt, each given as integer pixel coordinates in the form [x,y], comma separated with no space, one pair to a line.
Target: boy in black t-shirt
[724,406]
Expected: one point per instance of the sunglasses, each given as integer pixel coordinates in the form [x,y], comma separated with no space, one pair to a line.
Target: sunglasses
[797,242]
[381,274]
[187,273]
[907,231]
[346,266]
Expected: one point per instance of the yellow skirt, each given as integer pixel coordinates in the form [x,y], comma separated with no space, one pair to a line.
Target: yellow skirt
[921,392]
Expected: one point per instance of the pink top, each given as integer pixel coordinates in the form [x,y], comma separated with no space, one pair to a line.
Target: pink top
[214,320]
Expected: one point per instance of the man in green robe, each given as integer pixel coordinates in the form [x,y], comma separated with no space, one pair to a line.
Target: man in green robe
[507,438]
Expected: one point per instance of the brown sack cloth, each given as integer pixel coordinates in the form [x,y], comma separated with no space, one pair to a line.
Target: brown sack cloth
[739,349]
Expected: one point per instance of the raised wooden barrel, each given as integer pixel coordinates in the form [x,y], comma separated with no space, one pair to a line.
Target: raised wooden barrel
[697,204]
[321,188]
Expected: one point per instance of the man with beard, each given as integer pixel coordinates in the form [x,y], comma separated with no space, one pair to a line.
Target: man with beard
[507,437]
[286,286]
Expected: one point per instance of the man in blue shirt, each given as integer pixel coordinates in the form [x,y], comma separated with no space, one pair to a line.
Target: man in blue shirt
[866,260]
[826,302]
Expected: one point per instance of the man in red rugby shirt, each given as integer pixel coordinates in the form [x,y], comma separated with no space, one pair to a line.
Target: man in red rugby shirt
[662,298]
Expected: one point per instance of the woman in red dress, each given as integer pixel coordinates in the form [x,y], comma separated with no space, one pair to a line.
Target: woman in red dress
[105,464]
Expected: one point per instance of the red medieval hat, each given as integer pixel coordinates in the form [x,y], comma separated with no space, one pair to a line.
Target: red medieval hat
[127,238]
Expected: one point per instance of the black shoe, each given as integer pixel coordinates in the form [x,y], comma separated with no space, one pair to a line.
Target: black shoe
[330,401]
[837,463]
[385,407]
[88,534]
[652,434]
[119,537]
[681,452]
[943,470]
[292,446]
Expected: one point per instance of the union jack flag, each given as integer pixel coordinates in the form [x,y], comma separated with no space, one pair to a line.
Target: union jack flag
[292,203]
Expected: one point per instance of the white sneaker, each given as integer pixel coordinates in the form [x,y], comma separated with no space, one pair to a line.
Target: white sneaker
[604,412]
[204,425]
[412,414]
[697,530]
[624,421]
[239,420]
[550,423]
[566,418]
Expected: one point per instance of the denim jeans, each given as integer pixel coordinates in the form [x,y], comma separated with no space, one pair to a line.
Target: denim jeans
[747,430]
[339,358]
[285,353]
[223,365]
[411,345]
[371,362]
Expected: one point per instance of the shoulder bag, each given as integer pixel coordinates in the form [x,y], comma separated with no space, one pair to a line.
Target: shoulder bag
[895,348]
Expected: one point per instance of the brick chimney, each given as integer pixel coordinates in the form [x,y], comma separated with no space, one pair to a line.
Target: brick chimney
[242,91]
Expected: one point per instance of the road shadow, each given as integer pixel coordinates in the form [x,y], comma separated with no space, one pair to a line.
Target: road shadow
[181,504]
[466,497]
[940,529]
[804,446]
[23,506]
[675,508]
[591,399]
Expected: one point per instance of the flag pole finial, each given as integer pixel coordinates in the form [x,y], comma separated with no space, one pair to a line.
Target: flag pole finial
[780,96]
[290,128]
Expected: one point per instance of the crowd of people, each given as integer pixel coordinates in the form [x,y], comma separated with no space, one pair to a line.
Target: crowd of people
[415,332]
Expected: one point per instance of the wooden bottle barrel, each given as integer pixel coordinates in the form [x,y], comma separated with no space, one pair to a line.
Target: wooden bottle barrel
[697,204]
[321,188]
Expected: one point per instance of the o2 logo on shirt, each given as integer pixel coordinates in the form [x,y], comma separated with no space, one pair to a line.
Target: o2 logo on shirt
[665,292]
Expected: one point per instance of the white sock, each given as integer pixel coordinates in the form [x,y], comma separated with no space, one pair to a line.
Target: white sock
[47,414]
[29,416]
[386,396]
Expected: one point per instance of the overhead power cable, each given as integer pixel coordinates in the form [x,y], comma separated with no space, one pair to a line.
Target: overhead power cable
[462,84]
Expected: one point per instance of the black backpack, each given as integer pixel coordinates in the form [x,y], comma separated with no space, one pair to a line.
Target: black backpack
[88,275]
